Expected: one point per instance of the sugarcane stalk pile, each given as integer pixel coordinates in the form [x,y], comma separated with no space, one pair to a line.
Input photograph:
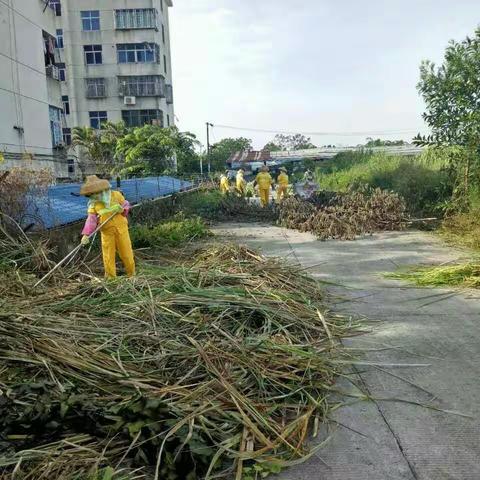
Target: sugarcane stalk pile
[345,216]
[204,368]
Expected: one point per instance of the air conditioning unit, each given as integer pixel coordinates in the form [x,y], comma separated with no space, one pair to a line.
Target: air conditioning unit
[129,100]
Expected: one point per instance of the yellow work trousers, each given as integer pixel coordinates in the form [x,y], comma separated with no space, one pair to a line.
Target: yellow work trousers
[281,192]
[241,190]
[264,196]
[117,239]
[224,189]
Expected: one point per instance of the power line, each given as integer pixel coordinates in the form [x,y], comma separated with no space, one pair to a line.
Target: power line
[338,134]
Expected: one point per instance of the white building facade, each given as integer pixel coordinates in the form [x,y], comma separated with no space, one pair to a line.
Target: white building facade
[72,63]
[115,62]
[31,110]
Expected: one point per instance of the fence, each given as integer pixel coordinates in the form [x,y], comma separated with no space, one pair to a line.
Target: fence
[62,204]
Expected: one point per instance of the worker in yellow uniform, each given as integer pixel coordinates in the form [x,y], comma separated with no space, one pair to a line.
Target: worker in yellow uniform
[241,184]
[282,184]
[103,203]
[264,182]
[224,183]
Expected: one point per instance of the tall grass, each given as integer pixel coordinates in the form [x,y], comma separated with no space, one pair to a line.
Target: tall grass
[423,181]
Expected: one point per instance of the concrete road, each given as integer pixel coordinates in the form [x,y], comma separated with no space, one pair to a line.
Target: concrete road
[391,440]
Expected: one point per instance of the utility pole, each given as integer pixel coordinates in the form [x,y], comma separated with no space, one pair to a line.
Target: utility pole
[208,145]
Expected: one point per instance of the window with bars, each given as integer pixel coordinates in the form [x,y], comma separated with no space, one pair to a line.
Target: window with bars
[93,54]
[142,86]
[95,87]
[97,118]
[67,137]
[70,161]
[90,20]
[169,93]
[55,115]
[56,6]
[138,118]
[66,104]
[133,18]
[62,72]
[138,52]
[163,33]
[59,38]
[165,64]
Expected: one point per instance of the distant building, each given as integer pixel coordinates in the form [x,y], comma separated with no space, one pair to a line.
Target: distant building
[31,110]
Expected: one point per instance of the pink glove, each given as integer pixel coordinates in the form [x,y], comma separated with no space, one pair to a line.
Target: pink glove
[90,224]
[126,208]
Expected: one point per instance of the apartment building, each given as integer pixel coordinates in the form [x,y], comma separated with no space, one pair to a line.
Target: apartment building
[68,63]
[115,62]
[31,109]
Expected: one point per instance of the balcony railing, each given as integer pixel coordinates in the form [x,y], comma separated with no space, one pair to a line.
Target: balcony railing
[141,86]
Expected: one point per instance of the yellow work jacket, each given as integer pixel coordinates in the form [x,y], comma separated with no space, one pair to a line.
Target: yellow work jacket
[118,221]
[282,180]
[264,180]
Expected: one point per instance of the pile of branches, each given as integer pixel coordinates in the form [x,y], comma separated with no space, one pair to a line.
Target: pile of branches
[210,368]
[345,216]
[233,207]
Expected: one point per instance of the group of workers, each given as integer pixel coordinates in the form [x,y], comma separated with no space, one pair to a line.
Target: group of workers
[263,181]
[108,211]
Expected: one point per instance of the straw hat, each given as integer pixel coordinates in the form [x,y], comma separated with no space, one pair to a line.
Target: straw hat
[93,184]
[264,168]
[283,169]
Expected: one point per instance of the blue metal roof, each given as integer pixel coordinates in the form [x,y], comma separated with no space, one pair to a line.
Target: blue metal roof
[63,204]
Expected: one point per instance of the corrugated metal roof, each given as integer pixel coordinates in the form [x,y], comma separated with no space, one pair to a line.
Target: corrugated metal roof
[63,204]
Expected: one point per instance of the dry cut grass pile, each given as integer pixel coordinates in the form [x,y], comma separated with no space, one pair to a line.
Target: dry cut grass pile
[217,366]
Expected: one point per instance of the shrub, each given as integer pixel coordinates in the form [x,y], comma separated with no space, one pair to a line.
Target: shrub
[172,233]
[424,185]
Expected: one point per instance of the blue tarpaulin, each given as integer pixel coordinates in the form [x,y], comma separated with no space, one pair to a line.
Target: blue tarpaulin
[63,204]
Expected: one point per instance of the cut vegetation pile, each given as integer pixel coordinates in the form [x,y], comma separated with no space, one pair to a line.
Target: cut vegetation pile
[218,367]
[345,216]
[463,275]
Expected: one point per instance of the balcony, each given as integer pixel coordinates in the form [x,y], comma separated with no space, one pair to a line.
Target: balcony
[136,18]
[141,86]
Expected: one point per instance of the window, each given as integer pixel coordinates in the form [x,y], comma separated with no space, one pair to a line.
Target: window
[137,52]
[93,54]
[56,7]
[67,138]
[165,64]
[135,18]
[163,33]
[142,86]
[59,38]
[168,120]
[62,72]
[96,87]
[97,118]
[66,105]
[161,5]
[90,20]
[55,115]
[169,93]
[138,118]
[70,161]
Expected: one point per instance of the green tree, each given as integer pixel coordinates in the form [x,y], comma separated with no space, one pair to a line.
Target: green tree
[383,143]
[146,150]
[451,94]
[98,146]
[290,142]
[272,147]
[221,151]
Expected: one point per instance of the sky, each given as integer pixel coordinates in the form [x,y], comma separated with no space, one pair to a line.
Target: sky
[346,68]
